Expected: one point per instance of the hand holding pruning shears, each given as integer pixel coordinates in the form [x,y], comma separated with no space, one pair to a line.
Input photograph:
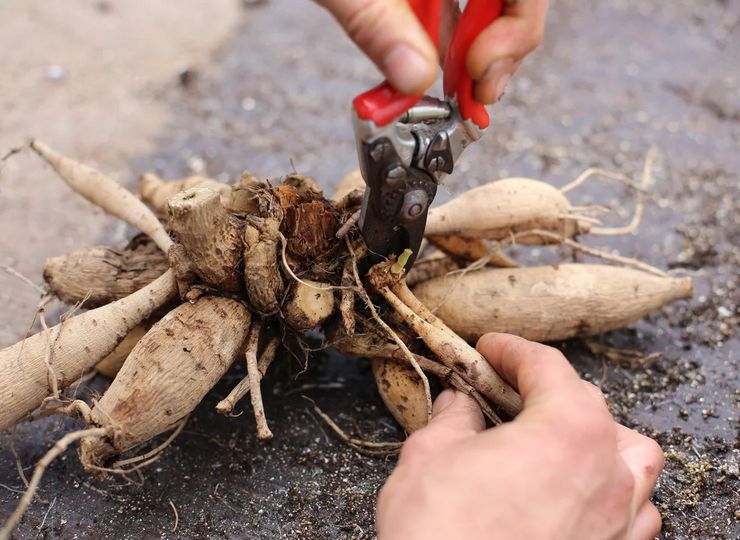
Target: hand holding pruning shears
[389,32]
[408,142]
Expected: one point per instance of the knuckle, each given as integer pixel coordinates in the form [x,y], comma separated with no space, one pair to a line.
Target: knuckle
[591,428]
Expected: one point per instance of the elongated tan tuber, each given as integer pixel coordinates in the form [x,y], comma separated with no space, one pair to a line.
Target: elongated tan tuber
[76,346]
[496,210]
[210,236]
[167,374]
[101,274]
[402,392]
[155,191]
[548,303]
[105,193]
[111,364]
[309,304]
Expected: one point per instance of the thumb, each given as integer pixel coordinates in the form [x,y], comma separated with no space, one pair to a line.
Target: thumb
[456,412]
[392,37]
[455,417]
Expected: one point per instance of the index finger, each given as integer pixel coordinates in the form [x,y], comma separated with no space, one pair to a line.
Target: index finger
[539,372]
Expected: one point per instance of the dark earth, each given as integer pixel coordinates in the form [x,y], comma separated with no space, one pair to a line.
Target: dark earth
[612,79]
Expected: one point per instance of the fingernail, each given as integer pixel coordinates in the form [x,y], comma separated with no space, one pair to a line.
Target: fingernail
[499,72]
[444,400]
[406,69]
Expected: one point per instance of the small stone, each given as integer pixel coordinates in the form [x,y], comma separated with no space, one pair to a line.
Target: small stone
[55,73]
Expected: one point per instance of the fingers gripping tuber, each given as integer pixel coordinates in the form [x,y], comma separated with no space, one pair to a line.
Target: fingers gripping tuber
[76,346]
[167,374]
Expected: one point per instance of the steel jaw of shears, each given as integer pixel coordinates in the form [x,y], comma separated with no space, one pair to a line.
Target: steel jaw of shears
[406,144]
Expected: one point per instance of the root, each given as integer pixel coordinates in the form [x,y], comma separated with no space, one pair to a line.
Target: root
[471,249]
[409,356]
[59,447]
[625,261]
[104,274]
[621,356]
[450,348]
[255,377]
[177,517]
[24,279]
[155,451]
[347,302]
[51,375]
[647,180]
[364,447]
[595,171]
[351,222]
[226,405]
[105,193]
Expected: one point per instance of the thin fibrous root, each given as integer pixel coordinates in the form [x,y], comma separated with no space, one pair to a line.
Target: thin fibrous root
[364,447]
[51,376]
[596,171]
[255,377]
[105,193]
[626,261]
[226,405]
[368,302]
[647,180]
[60,446]
[621,356]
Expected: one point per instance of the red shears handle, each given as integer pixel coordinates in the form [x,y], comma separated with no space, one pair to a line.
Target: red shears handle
[384,103]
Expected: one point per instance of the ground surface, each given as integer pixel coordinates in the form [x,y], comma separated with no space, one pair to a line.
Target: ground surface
[223,86]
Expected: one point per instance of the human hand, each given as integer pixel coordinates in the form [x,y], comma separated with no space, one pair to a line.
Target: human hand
[563,469]
[389,33]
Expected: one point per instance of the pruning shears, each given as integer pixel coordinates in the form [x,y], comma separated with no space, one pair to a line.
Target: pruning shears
[406,144]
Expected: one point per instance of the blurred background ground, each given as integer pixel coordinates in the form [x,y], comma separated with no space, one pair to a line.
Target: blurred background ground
[221,86]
